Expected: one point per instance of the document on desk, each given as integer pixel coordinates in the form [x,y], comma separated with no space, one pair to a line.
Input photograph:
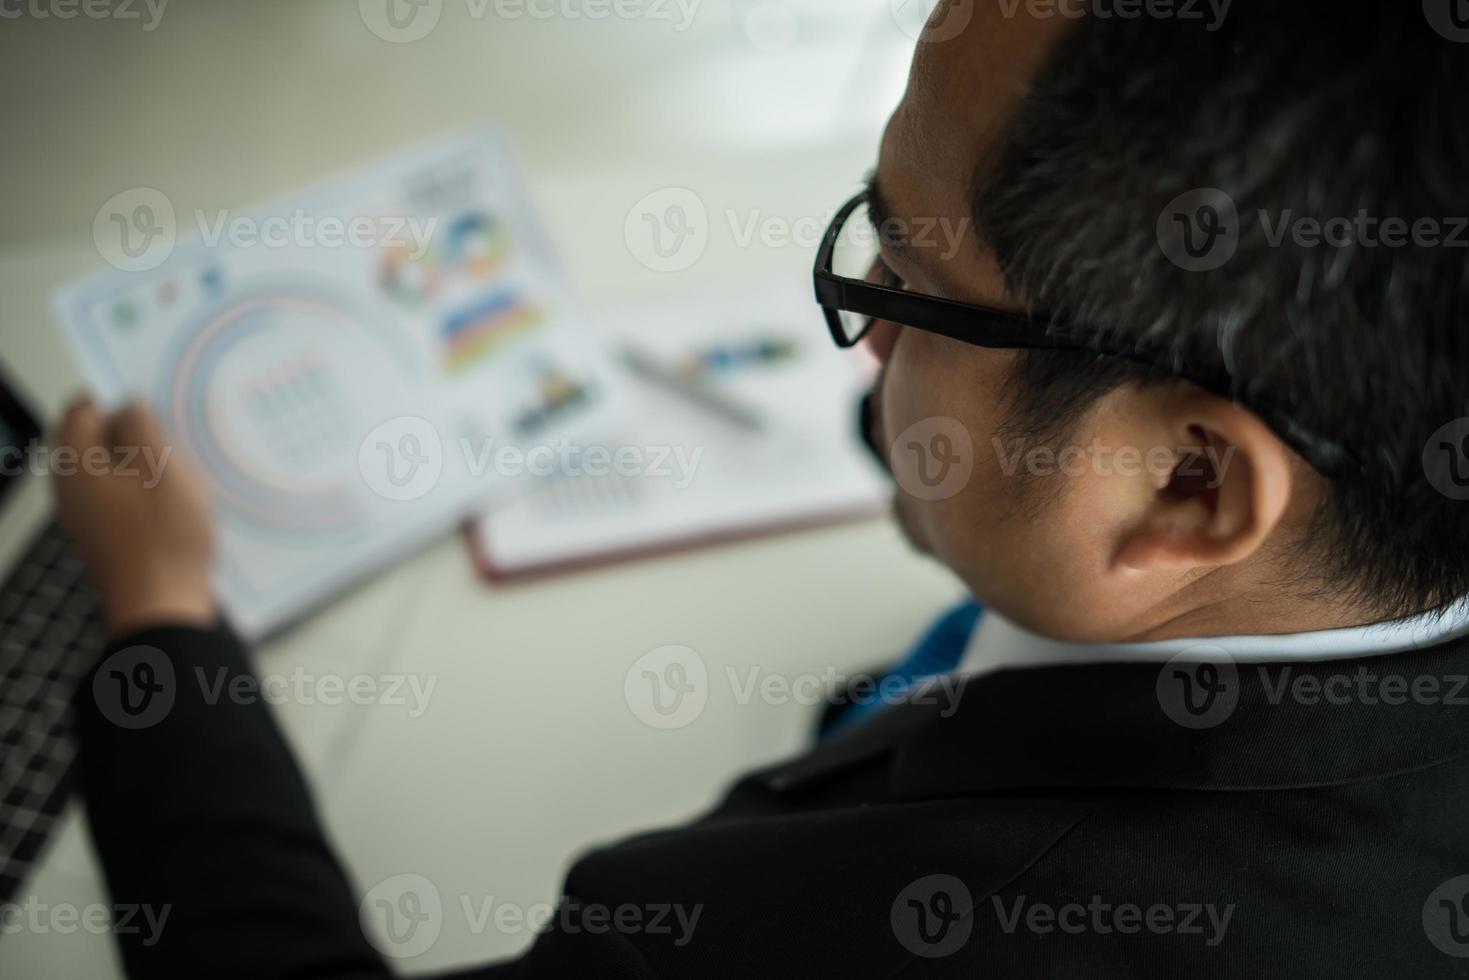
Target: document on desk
[337,363]
[771,443]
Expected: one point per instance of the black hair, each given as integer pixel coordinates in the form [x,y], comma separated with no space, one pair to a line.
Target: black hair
[1306,109]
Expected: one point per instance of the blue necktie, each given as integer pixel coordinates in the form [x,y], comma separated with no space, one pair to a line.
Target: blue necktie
[938,652]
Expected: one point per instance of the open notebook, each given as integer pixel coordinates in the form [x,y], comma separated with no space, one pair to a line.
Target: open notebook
[676,474]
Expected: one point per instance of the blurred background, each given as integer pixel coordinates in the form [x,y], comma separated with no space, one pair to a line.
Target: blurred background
[528,750]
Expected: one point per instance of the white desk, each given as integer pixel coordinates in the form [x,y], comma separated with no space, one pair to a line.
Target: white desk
[527,751]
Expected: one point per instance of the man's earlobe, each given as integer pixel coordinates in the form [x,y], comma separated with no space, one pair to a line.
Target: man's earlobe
[1228,490]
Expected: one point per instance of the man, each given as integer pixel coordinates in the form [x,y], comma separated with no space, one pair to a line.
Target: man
[1212,718]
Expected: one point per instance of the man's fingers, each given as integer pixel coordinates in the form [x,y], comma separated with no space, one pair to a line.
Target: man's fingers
[81,427]
[134,426]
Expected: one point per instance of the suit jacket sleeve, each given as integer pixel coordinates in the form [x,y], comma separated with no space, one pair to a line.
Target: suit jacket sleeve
[200,814]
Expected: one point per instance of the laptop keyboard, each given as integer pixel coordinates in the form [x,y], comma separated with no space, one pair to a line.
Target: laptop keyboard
[50,635]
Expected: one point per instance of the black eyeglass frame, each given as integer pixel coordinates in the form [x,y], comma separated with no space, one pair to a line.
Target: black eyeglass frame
[985,326]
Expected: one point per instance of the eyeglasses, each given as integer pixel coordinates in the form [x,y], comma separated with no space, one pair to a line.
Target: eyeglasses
[848,258]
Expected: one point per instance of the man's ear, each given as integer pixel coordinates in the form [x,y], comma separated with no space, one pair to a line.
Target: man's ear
[1228,489]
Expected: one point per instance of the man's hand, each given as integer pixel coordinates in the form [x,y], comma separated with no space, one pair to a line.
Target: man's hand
[139,516]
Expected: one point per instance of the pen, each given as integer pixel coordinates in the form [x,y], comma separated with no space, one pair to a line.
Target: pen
[715,402]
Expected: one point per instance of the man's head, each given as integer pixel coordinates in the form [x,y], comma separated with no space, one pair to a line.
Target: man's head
[1109,501]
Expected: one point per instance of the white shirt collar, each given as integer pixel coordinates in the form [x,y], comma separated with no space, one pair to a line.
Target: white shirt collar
[998,643]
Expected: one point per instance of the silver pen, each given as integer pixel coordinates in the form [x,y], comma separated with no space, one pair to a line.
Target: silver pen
[731,410]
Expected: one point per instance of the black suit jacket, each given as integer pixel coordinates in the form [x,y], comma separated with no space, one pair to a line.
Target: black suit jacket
[1059,823]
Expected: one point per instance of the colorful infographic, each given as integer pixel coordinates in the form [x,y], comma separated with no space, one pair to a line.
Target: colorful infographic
[330,361]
